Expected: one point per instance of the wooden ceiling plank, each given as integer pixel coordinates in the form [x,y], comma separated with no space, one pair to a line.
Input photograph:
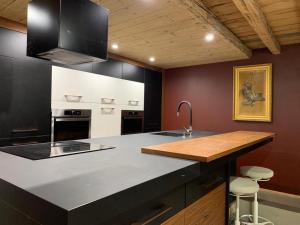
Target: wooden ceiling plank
[12,25]
[204,15]
[257,20]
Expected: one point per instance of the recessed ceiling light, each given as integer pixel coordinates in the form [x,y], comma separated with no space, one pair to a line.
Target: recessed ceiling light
[115,46]
[152,59]
[209,37]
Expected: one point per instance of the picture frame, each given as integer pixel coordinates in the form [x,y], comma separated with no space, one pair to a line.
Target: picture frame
[252,94]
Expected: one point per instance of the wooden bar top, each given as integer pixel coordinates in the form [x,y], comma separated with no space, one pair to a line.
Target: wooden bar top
[206,149]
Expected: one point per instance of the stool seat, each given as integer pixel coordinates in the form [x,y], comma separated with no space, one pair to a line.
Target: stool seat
[256,172]
[243,186]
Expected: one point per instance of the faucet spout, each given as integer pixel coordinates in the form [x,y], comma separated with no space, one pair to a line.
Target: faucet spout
[188,130]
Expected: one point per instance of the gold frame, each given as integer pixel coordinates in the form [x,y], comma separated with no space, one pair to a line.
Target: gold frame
[268,87]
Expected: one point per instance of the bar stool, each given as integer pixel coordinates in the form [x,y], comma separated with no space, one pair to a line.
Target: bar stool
[257,174]
[241,187]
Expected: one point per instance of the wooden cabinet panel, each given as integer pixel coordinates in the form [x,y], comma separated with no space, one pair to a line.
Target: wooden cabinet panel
[178,219]
[208,210]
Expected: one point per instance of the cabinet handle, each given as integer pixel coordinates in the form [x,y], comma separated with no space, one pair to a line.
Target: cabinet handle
[24,143]
[107,100]
[107,110]
[133,102]
[73,98]
[25,130]
[162,211]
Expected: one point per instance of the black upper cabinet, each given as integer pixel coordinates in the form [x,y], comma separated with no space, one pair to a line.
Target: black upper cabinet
[112,68]
[6,93]
[31,98]
[25,97]
[133,73]
[153,100]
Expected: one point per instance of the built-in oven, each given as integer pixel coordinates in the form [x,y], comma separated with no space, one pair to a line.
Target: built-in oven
[70,124]
[132,122]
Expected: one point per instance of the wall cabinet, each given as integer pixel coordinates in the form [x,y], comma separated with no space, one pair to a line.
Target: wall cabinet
[31,95]
[25,89]
[105,96]
[74,86]
[132,95]
[25,104]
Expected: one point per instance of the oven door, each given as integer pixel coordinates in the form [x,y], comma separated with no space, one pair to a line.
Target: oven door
[64,129]
[132,125]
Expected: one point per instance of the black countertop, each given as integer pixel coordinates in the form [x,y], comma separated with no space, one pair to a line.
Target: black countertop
[76,184]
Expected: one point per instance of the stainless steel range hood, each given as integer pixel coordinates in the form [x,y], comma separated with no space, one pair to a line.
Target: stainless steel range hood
[67,31]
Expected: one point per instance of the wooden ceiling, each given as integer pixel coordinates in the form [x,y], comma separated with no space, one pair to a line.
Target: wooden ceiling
[173,31]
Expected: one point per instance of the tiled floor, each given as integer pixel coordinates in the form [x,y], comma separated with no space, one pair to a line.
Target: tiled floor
[280,208]
[276,213]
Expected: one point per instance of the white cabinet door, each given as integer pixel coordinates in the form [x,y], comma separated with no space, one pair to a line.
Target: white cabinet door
[107,90]
[106,121]
[73,86]
[132,95]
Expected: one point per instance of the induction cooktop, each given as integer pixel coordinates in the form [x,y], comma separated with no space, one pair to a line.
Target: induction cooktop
[51,150]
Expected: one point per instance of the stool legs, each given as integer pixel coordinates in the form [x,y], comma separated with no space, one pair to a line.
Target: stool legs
[237,215]
[255,209]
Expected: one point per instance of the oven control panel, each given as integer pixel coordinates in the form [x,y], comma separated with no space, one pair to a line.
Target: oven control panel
[72,113]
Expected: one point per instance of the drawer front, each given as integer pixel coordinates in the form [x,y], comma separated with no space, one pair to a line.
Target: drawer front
[207,181]
[11,216]
[208,210]
[154,212]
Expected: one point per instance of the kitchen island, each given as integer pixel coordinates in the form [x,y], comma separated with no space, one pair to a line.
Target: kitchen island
[113,187]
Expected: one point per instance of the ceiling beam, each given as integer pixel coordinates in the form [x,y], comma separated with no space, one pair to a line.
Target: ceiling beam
[205,16]
[257,20]
[12,25]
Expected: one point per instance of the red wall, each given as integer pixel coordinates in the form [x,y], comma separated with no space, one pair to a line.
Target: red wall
[210,90]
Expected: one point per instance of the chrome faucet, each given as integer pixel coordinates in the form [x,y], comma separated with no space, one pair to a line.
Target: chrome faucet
[189,130]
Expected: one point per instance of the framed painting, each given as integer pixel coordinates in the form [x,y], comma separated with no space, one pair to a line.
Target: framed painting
[252,95]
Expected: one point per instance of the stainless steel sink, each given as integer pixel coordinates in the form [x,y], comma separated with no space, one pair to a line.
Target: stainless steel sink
[168,133]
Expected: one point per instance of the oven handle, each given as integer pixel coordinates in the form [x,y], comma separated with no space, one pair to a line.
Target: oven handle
[132,118]
[71,119]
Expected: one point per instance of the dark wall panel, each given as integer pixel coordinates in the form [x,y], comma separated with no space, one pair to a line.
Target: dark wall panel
[153,94]
[133,73]
[210,88]
[6,92]
[111,68]
[12,44]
